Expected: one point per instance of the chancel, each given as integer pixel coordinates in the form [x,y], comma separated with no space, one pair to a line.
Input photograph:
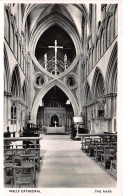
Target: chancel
[60,86]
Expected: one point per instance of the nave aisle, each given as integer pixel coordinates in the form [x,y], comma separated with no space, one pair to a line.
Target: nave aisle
[64,165]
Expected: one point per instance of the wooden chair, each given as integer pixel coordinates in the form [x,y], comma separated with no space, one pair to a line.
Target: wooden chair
[98,150]
[24,176]
[86,144]
[36,152]
[9,162]
[92,146]
[113,167]
[108,155]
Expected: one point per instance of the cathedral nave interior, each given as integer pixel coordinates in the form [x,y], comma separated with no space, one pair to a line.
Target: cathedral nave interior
[60,86]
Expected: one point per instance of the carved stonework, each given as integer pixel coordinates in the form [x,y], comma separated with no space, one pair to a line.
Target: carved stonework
[12,19]
[89,37]
[36,93]
[74,92]
[90,51]
[7,7]
[36,69]
[110,95]
[103,6]
[109,14]
[22,33]
[17,33]
[7,94]
[75,69]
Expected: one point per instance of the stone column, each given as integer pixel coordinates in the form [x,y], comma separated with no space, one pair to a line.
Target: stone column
[79,84]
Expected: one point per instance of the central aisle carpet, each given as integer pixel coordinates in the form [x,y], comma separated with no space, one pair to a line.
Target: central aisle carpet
[64,165]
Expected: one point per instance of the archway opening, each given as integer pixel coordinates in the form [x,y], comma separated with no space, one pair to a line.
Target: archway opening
[56,110]
[46,54]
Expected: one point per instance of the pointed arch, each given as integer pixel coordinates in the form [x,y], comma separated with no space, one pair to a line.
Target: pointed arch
[45,89]
[111,73]
[7,72]
[51,20]
[16,83]
[7,26]
[97,90]
[109,31]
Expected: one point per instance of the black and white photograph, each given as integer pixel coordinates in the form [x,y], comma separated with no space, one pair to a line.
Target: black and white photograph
[60,96]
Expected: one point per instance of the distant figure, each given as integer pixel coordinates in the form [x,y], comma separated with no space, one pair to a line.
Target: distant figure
[73,132]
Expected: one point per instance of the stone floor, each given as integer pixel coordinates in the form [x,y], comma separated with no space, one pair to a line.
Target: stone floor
[64,165]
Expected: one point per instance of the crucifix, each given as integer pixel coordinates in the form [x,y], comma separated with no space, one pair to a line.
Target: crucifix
[55,47]
[55,123]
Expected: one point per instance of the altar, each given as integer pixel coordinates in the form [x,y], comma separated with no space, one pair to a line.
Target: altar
[55,129]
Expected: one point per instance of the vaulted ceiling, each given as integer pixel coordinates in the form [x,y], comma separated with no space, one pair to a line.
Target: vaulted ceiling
[34,13]
[49,22]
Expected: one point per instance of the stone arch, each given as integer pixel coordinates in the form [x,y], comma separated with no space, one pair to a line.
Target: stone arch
[61,22]
[16,82]
[45,89]
[7,72]
[109,29]
[111,73]
[7,26]
[97,89]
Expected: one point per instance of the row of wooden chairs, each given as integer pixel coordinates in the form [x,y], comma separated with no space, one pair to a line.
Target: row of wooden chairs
[21,165]
[103,150]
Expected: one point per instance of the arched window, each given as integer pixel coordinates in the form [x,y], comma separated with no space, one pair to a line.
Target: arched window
[11,37]
[6,26]
[116,21]
[99,90]
[83,30]
[15,83]
[102,43]
[98,84]
[13,114]
[109,31]
[16,47]
[97,51]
